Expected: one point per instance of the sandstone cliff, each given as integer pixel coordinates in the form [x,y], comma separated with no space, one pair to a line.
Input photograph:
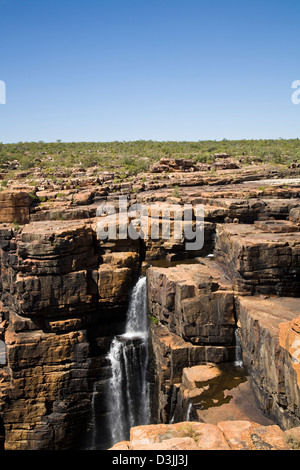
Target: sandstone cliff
[64,295]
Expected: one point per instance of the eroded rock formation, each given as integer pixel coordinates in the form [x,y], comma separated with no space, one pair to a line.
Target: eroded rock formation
[63,299]
[64,295]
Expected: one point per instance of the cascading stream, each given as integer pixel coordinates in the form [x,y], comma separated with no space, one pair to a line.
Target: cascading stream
[188,412]
[128,388]
[238,361]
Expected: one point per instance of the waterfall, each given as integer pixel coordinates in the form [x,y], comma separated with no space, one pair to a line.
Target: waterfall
[238,360]
[128,388]
[93,409]
[173,405]
[2,353]
[188,413]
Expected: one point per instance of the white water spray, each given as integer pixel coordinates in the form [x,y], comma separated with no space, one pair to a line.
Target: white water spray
[128,355]
[188,412]
[238,360]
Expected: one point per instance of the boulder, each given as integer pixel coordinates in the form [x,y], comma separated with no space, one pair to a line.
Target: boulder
[227,435]
[295,215]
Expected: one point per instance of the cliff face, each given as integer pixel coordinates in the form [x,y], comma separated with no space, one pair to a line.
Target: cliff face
[261,259]
[64,296]
[210,303]
[15,207]
[193,301]
[270,341]
[195,310]
[63,299]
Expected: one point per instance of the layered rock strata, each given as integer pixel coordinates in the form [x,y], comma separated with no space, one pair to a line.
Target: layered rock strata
[270,339]
[194,301]
[261,259]
[192,308]
[15,207]
[202,304]
[64,296]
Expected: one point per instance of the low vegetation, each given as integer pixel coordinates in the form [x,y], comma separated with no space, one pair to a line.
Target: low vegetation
[293,442]
[136,157]
[185,430]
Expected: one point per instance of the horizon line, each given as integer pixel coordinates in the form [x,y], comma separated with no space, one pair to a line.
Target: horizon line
[59,141]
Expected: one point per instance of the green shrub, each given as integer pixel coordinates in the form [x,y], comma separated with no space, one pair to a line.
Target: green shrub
[154,320]
[16,225]
[176,192]
[33,197]
[27,162]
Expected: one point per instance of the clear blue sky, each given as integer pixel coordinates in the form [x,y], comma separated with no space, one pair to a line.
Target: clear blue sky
[103,70]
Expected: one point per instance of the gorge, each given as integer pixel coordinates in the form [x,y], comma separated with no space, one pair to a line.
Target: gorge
[103,341]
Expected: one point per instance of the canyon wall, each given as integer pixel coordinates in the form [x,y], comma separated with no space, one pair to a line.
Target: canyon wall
[64,295]
[204,304]
[63,299]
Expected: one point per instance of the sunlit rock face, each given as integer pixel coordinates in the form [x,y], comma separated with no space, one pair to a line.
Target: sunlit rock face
[59,313]
[194,301]
[261,259]
[227,435]
[64,297]
[270,342]
[15,207]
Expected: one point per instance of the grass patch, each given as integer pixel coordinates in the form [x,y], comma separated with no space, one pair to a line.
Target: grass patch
[176,192]
[186,430]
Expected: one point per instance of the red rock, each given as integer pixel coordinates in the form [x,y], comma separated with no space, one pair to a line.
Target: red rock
[15,207]
[245,435]
[227,435]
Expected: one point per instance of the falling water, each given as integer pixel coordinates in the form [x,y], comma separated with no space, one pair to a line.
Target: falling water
[128,355]
[238,360]
[188,413]
[2,353]
[173,406]
[93,423]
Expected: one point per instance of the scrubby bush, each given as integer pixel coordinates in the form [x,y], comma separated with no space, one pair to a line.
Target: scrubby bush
[136,156]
